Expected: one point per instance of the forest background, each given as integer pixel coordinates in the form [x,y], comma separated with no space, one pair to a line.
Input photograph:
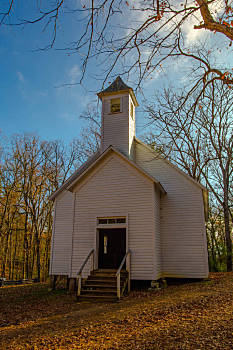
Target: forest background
[190,123]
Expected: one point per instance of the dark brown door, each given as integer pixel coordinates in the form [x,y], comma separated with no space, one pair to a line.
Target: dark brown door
[112,247]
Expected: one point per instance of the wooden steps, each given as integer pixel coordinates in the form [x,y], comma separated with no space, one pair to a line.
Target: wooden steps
[101,286]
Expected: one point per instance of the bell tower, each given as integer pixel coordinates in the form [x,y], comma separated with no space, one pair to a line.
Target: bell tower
[118,117]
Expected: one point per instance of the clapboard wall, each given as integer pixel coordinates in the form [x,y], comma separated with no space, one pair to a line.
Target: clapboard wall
[115,188]
[118,129]
[61,248]
[182,223]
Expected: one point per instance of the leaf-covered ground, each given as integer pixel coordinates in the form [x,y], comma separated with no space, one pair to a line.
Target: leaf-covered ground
[189,316]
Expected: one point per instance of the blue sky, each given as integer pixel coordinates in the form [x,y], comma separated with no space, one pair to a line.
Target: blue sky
[33,98]
[32,92]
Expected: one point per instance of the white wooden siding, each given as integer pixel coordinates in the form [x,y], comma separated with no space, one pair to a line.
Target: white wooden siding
[116,189]
[158,258]
[182,225]
[131,128]
[62,234]
[115,129]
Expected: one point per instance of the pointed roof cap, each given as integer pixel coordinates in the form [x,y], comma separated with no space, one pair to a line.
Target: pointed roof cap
[118,87]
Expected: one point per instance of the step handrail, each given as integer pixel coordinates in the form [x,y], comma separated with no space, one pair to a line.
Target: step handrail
[79,274]
[118,273]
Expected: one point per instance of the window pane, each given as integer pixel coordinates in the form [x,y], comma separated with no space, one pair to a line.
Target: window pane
[115,105]
[110,221]
[120,220]
[103,221]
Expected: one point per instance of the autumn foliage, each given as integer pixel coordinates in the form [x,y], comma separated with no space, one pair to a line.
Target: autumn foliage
[30,170]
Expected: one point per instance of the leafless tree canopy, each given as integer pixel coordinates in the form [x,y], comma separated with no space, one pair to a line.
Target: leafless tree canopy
[135,38]
[30,170]
[199,139]
[131,36]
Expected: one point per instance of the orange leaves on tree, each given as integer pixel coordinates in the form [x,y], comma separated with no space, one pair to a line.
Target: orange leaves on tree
[226,75]
[226,24]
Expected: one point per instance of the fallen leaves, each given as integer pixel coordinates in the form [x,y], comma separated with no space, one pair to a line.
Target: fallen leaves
[191,316]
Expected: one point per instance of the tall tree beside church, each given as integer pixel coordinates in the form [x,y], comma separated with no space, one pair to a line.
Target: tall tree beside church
[200,140]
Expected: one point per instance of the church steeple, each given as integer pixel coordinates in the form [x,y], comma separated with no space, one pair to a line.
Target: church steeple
[118,116]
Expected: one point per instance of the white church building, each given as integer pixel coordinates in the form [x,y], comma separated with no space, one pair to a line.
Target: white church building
[127,201]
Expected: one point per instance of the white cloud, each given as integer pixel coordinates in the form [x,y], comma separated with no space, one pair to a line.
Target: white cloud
[73,74]
[20,77]
[194,35]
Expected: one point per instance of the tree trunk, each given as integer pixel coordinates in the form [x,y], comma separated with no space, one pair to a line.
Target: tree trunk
[10,255]
[26,262]
[227,222]
[14,254]
[5,251]
[37,254]
[228,237]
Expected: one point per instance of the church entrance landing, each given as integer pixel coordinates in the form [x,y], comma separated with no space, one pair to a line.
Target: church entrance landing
[112,247]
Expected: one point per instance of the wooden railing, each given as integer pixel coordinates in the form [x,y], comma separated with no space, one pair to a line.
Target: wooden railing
[79,275]
[118,274]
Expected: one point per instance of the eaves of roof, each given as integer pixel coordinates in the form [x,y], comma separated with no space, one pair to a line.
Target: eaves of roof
[77,173]
[173,165]
[86,167]
[205,192]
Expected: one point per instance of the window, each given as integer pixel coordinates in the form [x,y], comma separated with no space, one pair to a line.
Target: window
[120,220]
[102,221]
[115,105]
[110,221]
[131,110]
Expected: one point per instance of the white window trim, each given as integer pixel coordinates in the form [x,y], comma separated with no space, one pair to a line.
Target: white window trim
[126,226]
[121,105]
[122,224]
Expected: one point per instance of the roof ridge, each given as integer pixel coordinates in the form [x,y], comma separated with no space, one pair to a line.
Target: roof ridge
[91,161]
[171,163]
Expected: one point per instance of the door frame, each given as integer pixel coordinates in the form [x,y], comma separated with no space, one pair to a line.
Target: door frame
[110,226]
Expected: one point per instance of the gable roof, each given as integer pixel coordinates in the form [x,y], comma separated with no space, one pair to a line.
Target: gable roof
[172,164]
[203,188]
[91,162]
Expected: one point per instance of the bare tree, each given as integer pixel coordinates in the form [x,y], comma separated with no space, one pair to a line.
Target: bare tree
[138,35]
[90,134]
[216,239]
[201,142]
[30,171]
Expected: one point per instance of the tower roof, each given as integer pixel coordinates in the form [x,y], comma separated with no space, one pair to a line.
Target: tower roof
[117,87]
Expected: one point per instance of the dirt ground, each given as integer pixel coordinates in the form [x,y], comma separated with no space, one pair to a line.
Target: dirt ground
[196,315]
